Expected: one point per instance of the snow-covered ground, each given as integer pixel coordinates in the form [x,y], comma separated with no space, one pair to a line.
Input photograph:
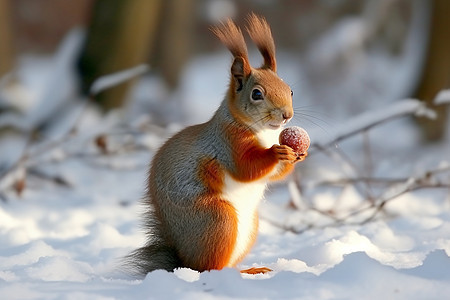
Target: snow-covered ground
[66,242]
[64,236]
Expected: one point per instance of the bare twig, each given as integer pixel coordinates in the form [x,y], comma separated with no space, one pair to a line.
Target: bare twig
[396,188]
[388,189]
[368,180]
[59,180]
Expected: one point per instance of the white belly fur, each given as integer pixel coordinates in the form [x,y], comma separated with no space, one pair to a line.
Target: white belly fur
[245,198]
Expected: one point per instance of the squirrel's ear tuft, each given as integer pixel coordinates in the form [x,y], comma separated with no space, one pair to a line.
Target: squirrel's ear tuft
[231,36]
[259,31]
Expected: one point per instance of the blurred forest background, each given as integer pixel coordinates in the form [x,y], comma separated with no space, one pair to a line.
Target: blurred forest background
[75,149]
[332,39]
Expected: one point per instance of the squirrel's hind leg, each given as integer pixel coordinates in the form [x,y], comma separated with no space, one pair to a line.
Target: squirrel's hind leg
[216,226]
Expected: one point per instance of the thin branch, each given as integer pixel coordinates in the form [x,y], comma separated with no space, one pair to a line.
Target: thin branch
[369,180]
[370,119]
[398,187]
[59,180]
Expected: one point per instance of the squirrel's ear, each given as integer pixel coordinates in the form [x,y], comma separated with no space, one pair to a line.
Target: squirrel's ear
[240,70]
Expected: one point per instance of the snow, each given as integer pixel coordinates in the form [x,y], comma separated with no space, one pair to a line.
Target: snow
[38,97]
[66,241]
[112,80]
[442,97]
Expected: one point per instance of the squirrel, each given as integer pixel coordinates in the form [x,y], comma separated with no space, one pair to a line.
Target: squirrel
[206,181]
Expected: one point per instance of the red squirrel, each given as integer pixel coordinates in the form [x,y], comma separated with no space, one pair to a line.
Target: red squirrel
[206,181]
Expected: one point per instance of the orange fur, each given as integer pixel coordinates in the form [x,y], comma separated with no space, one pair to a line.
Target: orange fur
[284,170]
[276,89]
[251,160]
[211,174]
[217,241]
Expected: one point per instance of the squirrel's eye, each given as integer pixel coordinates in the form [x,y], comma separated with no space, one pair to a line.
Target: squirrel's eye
[292,93]
[257,95]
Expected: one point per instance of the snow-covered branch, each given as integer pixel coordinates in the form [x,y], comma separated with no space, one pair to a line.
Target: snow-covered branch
[370,119]
[27,164]
[111,80]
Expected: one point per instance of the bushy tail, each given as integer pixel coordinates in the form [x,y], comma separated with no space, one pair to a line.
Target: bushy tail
[156,254]
[149,258]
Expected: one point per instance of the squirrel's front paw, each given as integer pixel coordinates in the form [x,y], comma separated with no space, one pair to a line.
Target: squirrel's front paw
[283,152]
[301,157]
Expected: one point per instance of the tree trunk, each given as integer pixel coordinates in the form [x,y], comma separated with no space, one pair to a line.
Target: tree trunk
[174,39]
[436,74]
[6,44]
[119,37]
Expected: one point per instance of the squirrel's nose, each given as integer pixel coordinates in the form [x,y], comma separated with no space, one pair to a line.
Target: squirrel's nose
[287,116]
